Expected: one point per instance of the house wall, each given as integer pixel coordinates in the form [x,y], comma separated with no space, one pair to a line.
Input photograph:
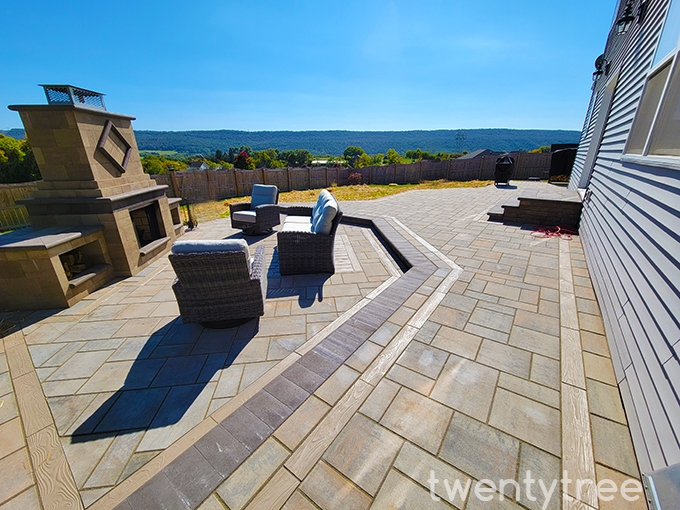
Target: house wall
[629,228]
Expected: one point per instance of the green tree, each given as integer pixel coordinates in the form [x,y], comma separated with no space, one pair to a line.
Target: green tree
[269,158]
[297,158]
[153,164]
[392,157]
[352,154]
[233,152]
[377,159]
[363,161]
[414,155]
[17,162]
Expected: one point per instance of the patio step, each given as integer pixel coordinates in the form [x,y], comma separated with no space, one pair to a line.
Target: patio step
[556,207]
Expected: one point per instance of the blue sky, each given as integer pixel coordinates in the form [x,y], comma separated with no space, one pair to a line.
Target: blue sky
[309,65]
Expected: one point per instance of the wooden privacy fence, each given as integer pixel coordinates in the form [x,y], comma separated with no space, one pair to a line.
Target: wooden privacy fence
[201,185]
[14,216]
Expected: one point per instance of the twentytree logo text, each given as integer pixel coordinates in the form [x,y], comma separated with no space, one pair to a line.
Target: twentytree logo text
[532,489]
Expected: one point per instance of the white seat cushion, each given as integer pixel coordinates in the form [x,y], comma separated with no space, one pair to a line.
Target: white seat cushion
[299,219]
[211,246]
[320,202]
[296,227]
[323,221]
[263,194]
[246,216]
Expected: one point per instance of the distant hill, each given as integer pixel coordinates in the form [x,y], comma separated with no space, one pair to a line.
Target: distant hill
[335,142]
[16,133]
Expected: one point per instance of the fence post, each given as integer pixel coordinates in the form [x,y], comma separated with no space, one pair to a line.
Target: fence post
[207,180]
[327,184]
[238,191]
[309,178]
[290,188]
[264,176]
[448,169]
[175,185]
[481,165]
[517,171]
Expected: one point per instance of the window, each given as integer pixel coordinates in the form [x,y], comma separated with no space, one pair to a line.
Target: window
[656,129]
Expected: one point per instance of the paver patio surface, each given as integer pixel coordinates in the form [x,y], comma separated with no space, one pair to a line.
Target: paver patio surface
[492,364]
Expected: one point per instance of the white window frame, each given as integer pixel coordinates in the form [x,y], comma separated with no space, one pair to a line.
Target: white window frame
[645,158]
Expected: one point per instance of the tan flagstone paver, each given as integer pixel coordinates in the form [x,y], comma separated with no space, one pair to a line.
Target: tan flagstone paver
[472,358]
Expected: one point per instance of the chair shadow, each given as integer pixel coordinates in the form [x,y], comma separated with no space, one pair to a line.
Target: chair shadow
[307,287]
[505,186]
[167,376]
[251,238]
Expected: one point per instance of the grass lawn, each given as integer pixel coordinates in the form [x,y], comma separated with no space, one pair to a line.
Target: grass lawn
[206,211]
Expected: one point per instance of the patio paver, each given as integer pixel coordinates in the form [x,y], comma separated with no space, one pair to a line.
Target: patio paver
[467,344]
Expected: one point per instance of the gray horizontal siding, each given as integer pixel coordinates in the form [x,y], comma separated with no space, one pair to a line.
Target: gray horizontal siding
[629,228]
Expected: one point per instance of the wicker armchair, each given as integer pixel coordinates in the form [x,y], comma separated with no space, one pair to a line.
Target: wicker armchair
[219,286]
[260,215]
[304,252]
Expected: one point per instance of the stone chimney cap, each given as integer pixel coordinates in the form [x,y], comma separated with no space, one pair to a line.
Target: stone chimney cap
[68,94]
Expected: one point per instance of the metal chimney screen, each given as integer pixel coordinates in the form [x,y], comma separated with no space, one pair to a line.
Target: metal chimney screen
[58,95]
[66,94]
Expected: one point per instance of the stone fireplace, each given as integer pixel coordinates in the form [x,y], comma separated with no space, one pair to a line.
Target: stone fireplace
[95,206]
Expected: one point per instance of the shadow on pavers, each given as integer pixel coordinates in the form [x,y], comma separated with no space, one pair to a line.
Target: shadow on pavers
[169,373]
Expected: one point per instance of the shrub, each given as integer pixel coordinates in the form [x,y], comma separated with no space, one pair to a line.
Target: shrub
[354,179]
[392,157]
[244,161]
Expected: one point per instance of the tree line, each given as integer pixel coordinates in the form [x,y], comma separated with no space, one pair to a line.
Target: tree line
[245,158]
[242,157]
